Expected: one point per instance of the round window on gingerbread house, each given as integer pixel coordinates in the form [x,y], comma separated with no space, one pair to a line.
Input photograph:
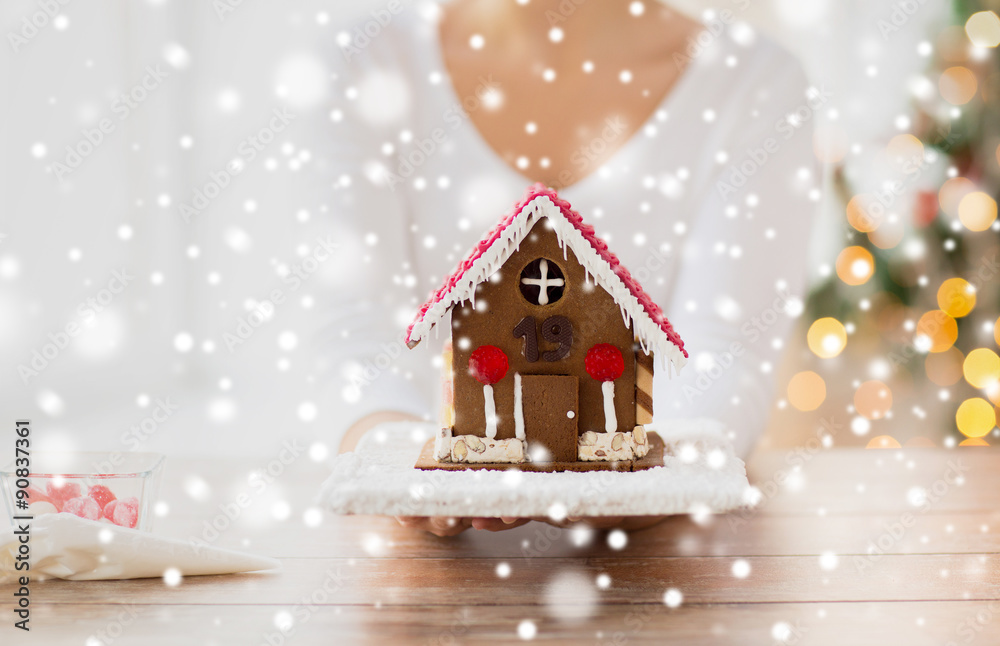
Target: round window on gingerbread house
[542,282]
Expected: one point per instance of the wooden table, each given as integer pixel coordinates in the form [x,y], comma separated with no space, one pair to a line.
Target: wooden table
[933,515]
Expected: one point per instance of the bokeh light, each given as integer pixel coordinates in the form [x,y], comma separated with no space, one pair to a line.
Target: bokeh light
[958,85]
[992,392]
[983,29]
[806,390]
[977,211]
[830,142]
[996,331]
[957,297]
[855,265]
[975,417]
[827,337]
[883,442]
[936,331]
[951,193]
[981,368]
[888,234]
[905,150]
[864,212]
[945,368]
[873,399]
[973,441]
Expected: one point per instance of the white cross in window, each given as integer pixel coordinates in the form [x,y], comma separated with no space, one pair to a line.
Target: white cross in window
[543,283]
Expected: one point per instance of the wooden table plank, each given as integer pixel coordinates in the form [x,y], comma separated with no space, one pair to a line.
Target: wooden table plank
[451,582]
[727,535]
[807,624]
[853,481]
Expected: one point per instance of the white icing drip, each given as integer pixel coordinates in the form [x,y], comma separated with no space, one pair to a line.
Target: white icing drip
[518,408]
[610,418]
[491,412]
[653,339]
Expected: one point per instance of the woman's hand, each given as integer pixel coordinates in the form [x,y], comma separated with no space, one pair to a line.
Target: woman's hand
[449,526]
[452,526]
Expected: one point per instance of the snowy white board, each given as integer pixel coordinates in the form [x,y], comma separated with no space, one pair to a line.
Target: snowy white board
[701,474]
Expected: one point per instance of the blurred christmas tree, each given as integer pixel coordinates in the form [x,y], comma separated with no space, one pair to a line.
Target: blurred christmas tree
[916,283]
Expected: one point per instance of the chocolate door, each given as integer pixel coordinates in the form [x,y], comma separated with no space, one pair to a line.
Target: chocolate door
[551,408]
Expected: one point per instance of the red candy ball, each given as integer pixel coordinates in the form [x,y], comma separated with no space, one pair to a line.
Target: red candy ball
[488,364]
[60,493]
[83,507]
[126,513]
[101,494]
[34,495]
[604,362]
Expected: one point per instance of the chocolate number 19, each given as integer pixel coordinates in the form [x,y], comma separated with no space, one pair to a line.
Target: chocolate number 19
[556,329]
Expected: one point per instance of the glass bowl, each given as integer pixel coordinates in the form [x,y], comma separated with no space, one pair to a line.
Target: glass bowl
[118,488]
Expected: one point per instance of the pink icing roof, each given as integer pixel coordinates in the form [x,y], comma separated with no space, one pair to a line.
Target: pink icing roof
[587,231]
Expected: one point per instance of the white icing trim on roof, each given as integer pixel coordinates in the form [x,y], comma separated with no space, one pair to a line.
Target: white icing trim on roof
[647,331]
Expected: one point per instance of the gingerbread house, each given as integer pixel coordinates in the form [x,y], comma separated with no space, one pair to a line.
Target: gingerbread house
[550,360]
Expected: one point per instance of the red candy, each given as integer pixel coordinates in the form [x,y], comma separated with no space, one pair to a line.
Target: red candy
[126,512]
[109,510]
[604,362]
[59,494]
[488,364]
[101,494]
[35,495]
[84,507]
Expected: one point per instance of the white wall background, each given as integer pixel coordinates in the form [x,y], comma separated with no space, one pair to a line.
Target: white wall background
[162,336]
